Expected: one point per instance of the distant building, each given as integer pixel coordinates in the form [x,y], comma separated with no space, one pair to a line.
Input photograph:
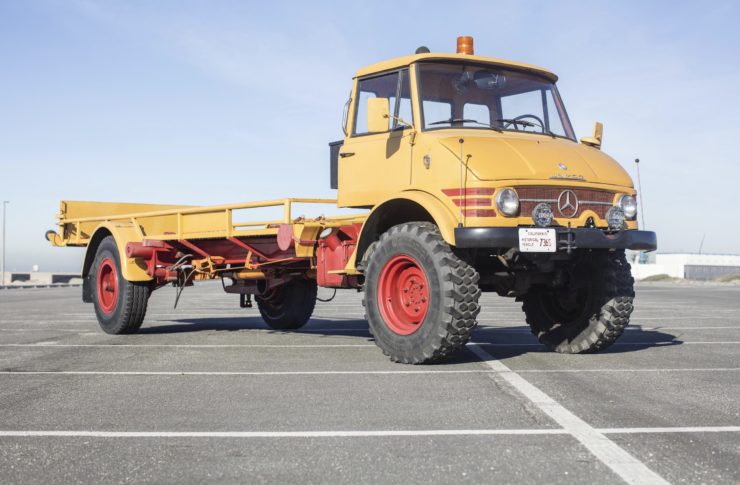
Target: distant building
[684,265]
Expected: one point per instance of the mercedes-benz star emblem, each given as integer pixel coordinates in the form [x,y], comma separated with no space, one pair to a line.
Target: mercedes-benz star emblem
[562,166]
[567,203]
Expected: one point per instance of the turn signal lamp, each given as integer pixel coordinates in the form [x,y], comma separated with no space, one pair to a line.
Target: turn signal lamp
[465,45]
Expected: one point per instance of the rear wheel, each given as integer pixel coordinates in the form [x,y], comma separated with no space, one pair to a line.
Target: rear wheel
[288,307]
[421,300]
[120,305]
[590,311]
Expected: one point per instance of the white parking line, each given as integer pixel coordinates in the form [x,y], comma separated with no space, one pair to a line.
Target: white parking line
[196,346]
[629,468]
[370,345]
[352,434]
[636,328]
[280,434]
[684,317]
[245,373]
[626,344]
[677,429]
[675,369]
[351,372]
[50,329]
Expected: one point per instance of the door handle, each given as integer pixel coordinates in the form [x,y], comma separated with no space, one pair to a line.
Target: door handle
[347,154]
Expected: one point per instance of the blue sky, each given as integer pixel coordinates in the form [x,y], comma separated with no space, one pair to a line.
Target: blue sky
[206,102]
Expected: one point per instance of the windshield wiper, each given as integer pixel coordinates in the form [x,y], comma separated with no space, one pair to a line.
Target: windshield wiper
[464,120]
[518,122]
[453,120]
[529,124]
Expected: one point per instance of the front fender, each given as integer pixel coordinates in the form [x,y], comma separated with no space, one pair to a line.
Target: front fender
[122,232]
[407,206]
[445,220]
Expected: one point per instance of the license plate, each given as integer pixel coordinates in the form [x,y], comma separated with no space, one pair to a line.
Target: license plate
[537,240]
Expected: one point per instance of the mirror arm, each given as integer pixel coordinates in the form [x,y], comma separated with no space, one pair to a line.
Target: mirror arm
[400,120]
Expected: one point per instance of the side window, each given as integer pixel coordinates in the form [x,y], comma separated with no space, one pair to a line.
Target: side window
[385,86]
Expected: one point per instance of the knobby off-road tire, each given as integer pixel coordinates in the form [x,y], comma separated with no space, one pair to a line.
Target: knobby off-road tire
[289,306]
[420,300]
[586,317]
[120,305]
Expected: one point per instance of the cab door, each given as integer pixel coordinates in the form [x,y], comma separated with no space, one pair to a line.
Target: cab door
[374,165]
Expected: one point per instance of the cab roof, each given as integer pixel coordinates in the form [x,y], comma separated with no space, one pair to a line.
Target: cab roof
[404,61]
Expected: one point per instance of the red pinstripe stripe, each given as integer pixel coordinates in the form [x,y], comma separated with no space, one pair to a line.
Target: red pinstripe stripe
[468,192]
[472,202]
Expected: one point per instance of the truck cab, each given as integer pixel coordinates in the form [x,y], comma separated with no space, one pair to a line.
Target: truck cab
[490,140]
[475,158]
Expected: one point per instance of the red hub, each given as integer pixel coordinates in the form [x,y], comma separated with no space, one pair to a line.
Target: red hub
[107,285]
[403,295]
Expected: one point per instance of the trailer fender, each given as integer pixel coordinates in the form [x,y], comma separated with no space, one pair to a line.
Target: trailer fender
[408,206]
[122,232]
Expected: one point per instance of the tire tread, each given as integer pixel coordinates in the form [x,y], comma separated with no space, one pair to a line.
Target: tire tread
[460,293]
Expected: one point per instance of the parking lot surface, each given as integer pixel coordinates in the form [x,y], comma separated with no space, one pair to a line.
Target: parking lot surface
[206,392]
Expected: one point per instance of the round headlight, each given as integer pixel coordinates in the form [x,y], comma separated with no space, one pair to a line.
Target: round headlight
[629,206]
[615,217]
[507,202]
[542,214]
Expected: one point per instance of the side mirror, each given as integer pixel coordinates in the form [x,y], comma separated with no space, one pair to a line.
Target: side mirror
[377,115]
[594,141]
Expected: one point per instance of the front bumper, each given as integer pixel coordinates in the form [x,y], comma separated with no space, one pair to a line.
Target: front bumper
[567,239]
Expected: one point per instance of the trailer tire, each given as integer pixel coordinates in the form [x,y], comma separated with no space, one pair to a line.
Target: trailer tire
[120,305]
[594,315]
[421,300]
[290,306]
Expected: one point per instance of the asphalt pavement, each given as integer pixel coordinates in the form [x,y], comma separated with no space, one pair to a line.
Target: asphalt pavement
[207,393]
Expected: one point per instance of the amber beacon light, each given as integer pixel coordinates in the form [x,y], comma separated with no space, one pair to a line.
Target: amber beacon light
[465,45]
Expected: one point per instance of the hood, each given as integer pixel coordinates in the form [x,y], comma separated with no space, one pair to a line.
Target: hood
[494,156]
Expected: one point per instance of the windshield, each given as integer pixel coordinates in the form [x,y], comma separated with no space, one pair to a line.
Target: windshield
[489,97]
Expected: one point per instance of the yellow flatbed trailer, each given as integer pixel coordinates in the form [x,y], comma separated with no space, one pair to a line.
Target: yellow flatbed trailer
[473,180]
[150,239]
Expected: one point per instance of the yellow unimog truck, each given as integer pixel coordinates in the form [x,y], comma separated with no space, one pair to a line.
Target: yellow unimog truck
[473,180]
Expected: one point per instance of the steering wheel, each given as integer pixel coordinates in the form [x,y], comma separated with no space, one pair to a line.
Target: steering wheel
[524,125]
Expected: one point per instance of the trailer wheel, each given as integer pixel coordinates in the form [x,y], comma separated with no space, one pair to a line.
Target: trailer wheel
[587,315]
[120,305]
[288,307]
[421,300]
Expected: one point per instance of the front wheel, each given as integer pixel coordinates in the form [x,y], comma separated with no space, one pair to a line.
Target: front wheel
[590,311]
[120,305]
[421,300]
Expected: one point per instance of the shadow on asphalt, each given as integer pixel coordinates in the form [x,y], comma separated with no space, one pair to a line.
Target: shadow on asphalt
[350,328]
[502,341]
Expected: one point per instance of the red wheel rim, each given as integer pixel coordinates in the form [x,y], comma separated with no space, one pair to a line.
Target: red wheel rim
[403,295]
[107,285]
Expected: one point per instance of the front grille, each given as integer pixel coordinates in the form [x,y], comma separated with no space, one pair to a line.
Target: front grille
[597,201]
